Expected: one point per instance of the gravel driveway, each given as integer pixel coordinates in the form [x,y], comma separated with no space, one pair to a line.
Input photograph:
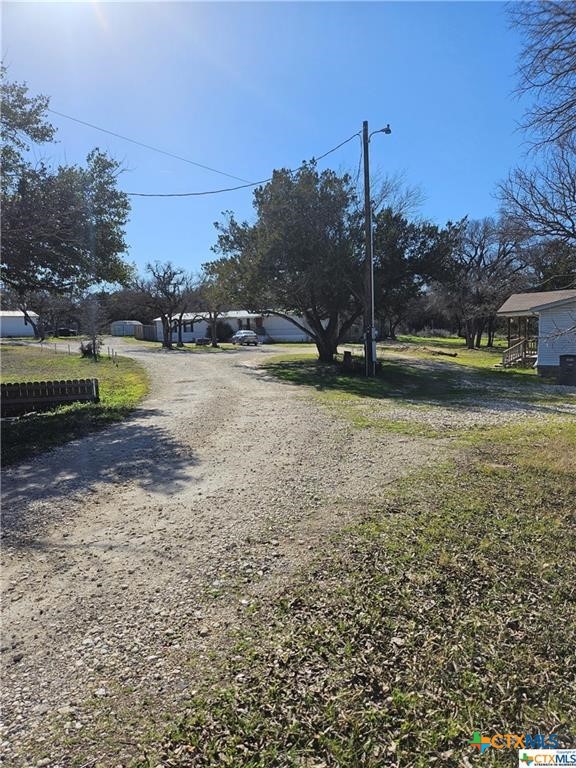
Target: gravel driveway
[130,555]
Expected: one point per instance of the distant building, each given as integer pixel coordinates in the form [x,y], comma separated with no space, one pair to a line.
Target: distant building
[124,327]
[270,328]
[14,324]
[542,332]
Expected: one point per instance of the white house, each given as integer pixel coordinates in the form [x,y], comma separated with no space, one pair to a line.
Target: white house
[270,328]
[14,323]
[552,346]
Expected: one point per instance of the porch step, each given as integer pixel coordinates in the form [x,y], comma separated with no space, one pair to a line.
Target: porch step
[521,355]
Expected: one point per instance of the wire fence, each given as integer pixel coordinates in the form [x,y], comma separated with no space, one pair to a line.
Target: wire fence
[63,348]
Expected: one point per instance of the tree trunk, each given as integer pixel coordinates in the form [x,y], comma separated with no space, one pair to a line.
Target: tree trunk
[36,327]
[214,330]
[326,351]
[166,333]
[180,342]
[95,346]
[491,332]
[469,330]
[479,333]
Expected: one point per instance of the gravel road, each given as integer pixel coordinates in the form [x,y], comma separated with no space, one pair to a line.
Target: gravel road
[130,555]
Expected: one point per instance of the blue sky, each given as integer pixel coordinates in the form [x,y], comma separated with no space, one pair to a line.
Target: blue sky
[247,87]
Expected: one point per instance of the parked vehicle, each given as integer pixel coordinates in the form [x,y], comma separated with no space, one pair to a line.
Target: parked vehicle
[244,338]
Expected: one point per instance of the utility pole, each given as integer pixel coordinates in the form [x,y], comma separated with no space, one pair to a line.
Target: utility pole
[369,320]
[369,336]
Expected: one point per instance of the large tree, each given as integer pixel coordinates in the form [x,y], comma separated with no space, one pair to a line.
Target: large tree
[551,264]
[24,123]
[407,256]
[213,293]
[301,257]
[542,197]
[63,229]
[486,265]
[166,291]
[547,67]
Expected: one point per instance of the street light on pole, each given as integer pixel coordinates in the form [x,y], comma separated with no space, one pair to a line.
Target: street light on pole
[369,320]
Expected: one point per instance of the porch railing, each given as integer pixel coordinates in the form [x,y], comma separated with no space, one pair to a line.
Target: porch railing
[518,354]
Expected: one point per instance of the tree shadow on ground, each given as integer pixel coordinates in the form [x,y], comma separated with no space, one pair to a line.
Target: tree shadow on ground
[132,451]
[419,381]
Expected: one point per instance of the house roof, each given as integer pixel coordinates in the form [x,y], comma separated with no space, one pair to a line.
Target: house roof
[526,304]
[233,314]
[16,313]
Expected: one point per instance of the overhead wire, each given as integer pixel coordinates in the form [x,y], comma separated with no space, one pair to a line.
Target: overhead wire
[357,178]
[146,146]
[242,186]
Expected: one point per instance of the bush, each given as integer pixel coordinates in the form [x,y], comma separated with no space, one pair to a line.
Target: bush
[224,330]
[87,348]
[440,333]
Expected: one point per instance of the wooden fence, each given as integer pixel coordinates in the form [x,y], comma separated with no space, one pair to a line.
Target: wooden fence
[24,397]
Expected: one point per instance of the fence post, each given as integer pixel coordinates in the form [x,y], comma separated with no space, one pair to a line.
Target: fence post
[69,349]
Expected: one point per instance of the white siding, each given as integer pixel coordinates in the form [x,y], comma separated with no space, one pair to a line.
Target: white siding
[553,341]
[15,325]
[275,328]
[198,330]
[281,329]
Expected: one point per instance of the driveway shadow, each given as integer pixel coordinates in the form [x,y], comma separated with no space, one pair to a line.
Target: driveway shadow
[132,450]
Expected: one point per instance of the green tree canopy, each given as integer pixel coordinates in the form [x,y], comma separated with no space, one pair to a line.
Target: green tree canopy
[63,229]
[23,122]
[301,256]
[407,256]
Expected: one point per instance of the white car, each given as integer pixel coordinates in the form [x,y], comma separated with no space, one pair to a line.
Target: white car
[245,338]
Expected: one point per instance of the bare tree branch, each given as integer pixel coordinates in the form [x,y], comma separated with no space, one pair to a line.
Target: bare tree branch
[547,67]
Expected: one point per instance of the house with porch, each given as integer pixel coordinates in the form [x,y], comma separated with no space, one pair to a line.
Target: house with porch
[541,332]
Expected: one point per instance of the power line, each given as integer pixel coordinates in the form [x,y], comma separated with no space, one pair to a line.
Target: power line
[197,194]
[359,164]
[146,146]
[243,186]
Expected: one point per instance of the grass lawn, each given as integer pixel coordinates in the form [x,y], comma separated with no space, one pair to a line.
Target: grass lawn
[450,609]
[122,386]
[483,358]
[403,375]
[412,383]
[450,341]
